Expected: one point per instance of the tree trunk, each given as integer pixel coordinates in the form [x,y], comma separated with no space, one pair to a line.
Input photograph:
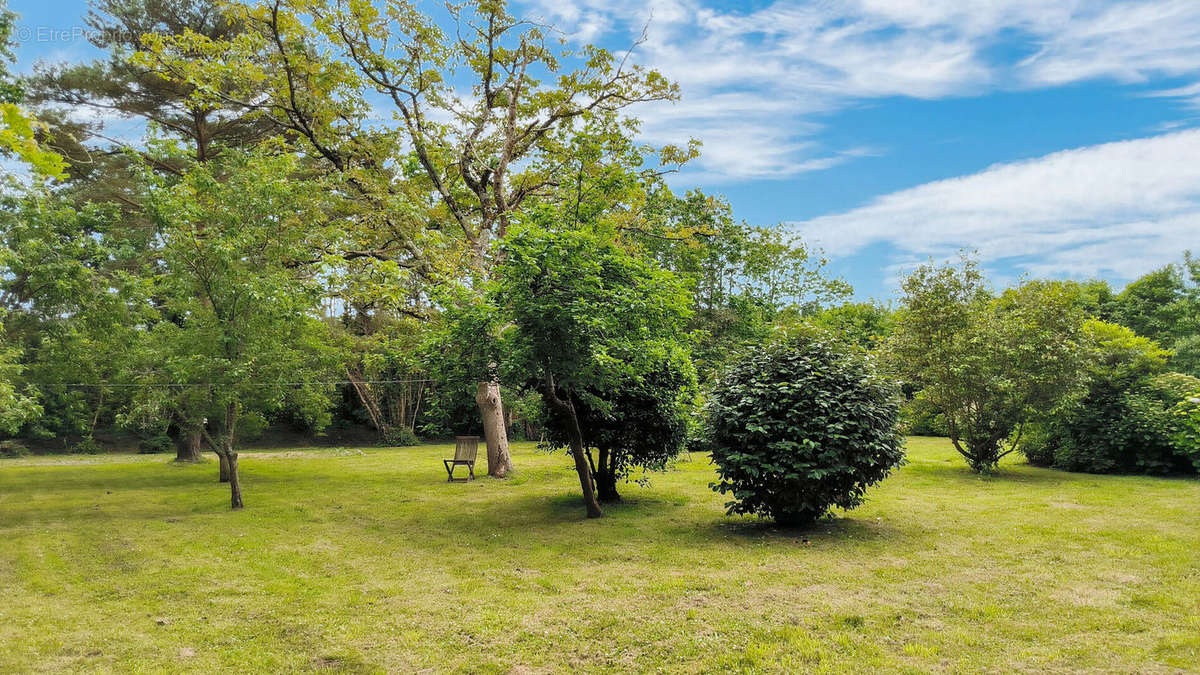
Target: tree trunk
[224,467]
[584,471]
[235,484]
[189,450]
[550,397]
[606,480]
[491,409]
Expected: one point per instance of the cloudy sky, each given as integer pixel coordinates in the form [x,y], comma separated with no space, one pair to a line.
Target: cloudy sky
[1058,138]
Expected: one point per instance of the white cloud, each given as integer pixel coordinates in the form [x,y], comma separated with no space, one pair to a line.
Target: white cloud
[774,67]
[1115,209]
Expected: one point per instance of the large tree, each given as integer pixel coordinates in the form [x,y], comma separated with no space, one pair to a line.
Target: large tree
[77,97]
[483,112]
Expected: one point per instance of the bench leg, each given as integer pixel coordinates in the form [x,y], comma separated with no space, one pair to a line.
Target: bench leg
[471,470]
[449,470]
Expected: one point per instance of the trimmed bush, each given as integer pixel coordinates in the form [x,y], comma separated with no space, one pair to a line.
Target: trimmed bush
[801,426]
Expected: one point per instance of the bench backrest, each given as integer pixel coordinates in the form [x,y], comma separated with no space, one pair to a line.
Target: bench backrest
[465,448]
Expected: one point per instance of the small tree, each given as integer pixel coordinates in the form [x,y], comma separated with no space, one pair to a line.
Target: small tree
[641,422]
[801,426]
[239,276]
[582,316]
[989,365]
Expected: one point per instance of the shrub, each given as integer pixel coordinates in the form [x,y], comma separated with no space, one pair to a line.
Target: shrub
[13,448]
[156,444]
[801,426]
[1127,421]
[1187,438]
[86,446]
[395,437]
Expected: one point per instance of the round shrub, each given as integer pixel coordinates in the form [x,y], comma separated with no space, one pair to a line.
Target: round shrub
[801,426]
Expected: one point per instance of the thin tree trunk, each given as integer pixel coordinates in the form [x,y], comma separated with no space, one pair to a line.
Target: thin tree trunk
[491,409]
[224,467]
[576,442]
[235,483]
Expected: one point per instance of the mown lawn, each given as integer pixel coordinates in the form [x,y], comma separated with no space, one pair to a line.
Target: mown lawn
[369,561]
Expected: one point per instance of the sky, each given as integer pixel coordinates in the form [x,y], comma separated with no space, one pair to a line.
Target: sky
[1056,138]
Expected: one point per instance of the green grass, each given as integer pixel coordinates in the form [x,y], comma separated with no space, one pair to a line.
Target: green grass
[370,561]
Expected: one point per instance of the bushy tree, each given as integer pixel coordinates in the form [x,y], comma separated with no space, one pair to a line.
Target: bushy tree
[641,421]
[16,407]
[580,318]
[800,426]
[239,277]
[1164,305]
[989,365]
[1126,420]
[866,324]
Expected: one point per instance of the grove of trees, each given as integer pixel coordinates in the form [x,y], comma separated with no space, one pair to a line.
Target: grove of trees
[342,216]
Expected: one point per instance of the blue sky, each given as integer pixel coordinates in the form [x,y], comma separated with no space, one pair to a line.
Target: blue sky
[1058,138]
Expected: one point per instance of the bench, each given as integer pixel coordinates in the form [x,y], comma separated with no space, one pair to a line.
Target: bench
[465,449]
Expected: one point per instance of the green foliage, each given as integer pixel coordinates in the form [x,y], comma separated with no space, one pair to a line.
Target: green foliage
[866,324]
[1127,420]
[598,332]
[641,422]
[745,277]
[158,443]
[1164,305]
[800,426]
[86,446]
[18,129]
[13,448]
[989,365]
[17,408]
[1187,417]
[238,282]
[395,437]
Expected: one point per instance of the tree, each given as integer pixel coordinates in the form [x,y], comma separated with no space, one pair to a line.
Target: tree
[989,365]
[74,307]
[582,315]
[746,277]
[800,425]
[1125,419]
[243,242]
[101,168]
[483,150]
[16,408]
[866,324]
[18,130]
[1164,306]
[104,166]
[641,422]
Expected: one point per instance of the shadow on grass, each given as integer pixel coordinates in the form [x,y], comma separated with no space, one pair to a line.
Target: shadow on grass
[827,529]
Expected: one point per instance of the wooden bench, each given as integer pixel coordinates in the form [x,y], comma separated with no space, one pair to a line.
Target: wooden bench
[465,449]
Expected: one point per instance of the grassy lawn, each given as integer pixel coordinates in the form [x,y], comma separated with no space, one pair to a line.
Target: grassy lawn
[369,561]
